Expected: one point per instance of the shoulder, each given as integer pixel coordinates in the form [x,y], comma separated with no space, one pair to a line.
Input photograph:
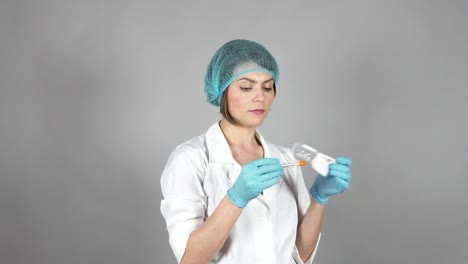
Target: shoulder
[191,151]
[185,166]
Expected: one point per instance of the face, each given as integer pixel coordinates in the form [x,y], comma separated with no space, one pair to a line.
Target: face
[250,98]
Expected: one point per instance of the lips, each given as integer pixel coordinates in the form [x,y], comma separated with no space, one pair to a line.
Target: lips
[257,111]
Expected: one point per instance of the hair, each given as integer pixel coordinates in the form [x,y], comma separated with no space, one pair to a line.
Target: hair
[224,107]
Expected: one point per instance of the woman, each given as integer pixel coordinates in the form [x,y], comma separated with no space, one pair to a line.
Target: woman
[226,197]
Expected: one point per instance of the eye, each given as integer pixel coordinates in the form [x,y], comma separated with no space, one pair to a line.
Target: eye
[245,88]
[268,89]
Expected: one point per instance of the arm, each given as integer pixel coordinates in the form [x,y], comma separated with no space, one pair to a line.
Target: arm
[207,240]
[337,181]
[308,230]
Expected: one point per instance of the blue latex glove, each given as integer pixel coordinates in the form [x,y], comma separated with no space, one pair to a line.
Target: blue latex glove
[337,180]
[254,177]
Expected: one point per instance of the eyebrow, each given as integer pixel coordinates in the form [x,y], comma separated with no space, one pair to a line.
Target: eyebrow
[251,80]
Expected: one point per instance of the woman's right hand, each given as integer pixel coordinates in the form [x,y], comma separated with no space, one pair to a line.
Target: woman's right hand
[254,177]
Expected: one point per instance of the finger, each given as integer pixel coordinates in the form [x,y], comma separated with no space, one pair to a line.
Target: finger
[340,174]
[341,184]
[269,168]
[270,175]
[344,161]
[268,183]
[339,167]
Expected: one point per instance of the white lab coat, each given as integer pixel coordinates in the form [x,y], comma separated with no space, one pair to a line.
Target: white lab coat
[197,176]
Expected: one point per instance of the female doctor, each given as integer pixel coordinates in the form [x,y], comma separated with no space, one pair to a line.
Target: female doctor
[227,199]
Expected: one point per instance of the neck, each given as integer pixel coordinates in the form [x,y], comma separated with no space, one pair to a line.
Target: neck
[238,135]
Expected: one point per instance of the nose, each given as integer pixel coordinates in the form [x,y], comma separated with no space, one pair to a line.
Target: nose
[259,97]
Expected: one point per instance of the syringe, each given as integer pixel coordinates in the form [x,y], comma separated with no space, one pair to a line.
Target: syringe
[297,163]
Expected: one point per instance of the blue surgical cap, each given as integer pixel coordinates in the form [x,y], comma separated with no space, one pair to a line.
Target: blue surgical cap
[234,59]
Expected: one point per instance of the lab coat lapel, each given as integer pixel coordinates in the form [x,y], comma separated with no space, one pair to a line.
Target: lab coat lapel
[268,194]
[219,152]
[218,148]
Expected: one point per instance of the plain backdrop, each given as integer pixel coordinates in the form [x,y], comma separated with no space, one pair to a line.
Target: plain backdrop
[94,95]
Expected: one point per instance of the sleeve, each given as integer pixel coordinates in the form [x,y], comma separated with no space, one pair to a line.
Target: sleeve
[184,201]
[297,257]
[303,203]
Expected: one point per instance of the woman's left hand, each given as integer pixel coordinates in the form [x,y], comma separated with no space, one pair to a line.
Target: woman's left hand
[337,180]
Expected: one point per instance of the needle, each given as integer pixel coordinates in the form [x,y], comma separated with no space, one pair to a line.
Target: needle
[297,163]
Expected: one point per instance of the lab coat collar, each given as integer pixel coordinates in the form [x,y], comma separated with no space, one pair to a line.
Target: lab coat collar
[218,147]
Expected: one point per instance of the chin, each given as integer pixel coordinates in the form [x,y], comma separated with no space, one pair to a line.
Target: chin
[251,123]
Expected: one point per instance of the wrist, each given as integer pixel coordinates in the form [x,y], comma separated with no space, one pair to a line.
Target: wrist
[236,200]
[317,197]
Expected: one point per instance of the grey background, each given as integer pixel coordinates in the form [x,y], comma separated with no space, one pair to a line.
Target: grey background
[95,94]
